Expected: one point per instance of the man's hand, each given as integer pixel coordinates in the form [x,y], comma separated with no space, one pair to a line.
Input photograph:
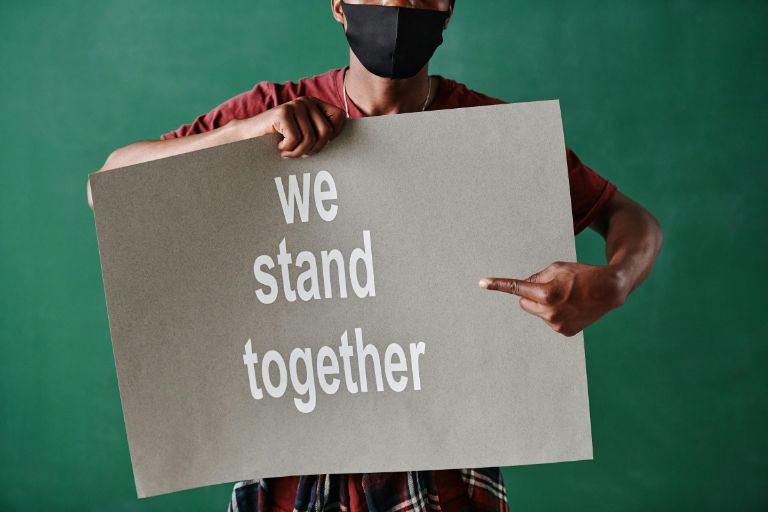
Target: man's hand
[567,296]
[571,296]
[306,125]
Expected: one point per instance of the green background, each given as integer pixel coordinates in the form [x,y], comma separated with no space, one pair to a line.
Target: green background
[666,98]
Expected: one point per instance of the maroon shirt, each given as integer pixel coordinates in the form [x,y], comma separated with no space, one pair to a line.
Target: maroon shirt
[589,191]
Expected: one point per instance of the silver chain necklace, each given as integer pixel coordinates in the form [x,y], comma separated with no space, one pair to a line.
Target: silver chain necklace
[346,105]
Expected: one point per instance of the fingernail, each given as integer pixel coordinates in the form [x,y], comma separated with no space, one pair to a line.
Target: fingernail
[484,283]
[304,156]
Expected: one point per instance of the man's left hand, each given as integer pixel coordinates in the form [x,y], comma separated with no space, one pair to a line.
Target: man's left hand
[567,296]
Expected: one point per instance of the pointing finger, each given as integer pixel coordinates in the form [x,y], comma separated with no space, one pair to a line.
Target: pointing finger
[533,291]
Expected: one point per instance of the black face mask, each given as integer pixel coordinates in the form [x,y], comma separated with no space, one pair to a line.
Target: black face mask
[393,42]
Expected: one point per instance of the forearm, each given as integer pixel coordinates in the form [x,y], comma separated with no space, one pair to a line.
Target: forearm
[633,238]
[145,151]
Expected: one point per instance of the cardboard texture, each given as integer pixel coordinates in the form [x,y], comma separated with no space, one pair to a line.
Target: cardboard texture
[446,197]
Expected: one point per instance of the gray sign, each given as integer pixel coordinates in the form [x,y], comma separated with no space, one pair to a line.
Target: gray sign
[274,317]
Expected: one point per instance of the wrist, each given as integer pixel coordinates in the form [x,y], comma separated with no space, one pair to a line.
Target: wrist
[250,128]
[237,129]
[620,276]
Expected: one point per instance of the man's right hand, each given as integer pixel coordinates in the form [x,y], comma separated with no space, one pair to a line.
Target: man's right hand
[306,125]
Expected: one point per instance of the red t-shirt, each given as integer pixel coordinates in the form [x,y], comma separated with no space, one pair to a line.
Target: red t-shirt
[589,191]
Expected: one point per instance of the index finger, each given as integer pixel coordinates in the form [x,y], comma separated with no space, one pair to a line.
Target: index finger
[533,291]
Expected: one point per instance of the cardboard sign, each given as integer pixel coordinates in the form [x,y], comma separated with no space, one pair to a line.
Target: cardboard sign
[273,317]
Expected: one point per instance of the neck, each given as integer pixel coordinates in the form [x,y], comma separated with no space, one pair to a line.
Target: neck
[376,96]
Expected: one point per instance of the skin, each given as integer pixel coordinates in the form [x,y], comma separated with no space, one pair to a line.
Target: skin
[567,296]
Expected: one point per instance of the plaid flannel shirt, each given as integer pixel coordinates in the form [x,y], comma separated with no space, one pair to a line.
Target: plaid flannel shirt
[412,491]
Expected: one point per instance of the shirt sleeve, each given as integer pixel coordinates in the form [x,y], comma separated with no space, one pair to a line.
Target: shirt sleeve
[261,97]
[590,192]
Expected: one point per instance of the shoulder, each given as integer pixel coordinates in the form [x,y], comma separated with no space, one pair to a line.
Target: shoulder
[266,94]
[263,96]
[454,94]
[323,86]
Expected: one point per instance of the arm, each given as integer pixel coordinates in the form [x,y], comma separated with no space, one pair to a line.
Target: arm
[305,125]
[633,239]
[146,150]
[571,296]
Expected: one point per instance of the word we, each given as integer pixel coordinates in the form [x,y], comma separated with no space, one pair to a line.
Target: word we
[307,285]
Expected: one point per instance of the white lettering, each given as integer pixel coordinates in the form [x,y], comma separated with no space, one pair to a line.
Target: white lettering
[305,372]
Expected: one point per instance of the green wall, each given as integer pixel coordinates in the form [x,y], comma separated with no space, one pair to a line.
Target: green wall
[666,98]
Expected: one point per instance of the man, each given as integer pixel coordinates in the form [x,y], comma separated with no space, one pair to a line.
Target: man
[391,42]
